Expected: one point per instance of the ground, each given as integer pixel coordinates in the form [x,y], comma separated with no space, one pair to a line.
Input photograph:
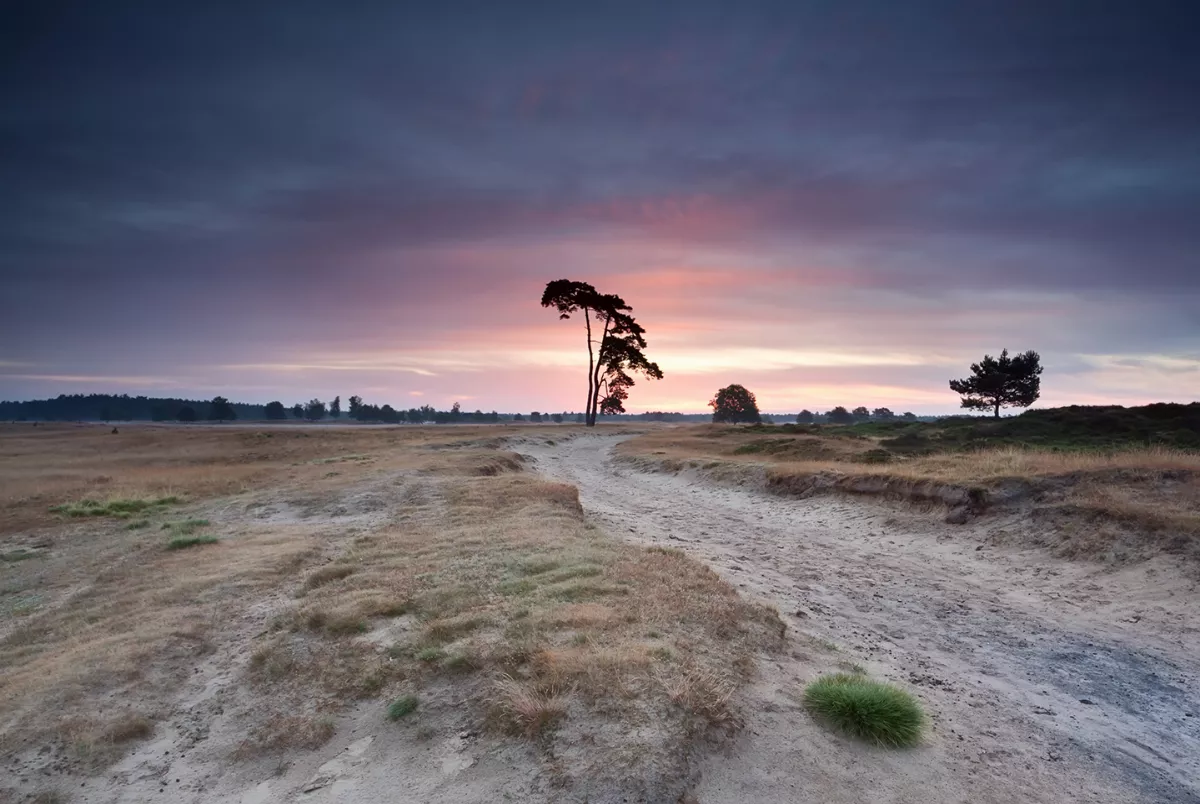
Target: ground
[619,643]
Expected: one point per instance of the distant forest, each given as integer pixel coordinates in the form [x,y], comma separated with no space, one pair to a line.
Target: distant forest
[114,408]
[110,407]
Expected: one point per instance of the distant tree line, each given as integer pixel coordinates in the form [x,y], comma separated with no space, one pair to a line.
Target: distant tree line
[111,407]
[839,415]
[117,408]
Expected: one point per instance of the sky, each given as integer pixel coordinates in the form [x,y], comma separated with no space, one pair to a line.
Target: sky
[831,203]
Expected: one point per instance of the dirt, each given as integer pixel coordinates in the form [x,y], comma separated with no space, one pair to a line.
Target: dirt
[1045,680]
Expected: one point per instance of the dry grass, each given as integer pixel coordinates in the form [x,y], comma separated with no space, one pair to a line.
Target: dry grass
[430,542]
[97,740]
[700,444]
[526,708]
[1149,495]
[705,693]
[505,587]
[284,732]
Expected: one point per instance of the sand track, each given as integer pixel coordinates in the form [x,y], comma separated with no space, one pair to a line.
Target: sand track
[1046,680]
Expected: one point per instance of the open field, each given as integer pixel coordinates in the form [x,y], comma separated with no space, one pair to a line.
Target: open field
[1117,503]
[479,614]
[320,579]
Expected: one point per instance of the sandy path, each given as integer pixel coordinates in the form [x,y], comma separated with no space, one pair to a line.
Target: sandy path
[1047,681]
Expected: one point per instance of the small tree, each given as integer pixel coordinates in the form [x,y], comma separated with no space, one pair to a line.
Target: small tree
[860,414]
[187,413]
[517,417]
[335,408]
[1009,382]
[840,415]
[298,410]
[908,416]
[314,410]
[535,417]
[275,411]
[805,417]
[355,404]
[883,414]
[219,410]
[734,404]
[556,418]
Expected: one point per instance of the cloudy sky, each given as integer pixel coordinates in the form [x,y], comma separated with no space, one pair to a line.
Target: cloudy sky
[828,202]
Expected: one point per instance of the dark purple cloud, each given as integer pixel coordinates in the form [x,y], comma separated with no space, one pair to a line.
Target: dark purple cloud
[224,174]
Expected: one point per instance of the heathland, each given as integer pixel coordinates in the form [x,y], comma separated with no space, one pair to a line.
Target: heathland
[481,613]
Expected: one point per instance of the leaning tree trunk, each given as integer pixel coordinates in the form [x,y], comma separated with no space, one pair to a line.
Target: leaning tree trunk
[588,419]
[594,376]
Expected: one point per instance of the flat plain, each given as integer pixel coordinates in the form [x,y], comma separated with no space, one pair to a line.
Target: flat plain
[437,614]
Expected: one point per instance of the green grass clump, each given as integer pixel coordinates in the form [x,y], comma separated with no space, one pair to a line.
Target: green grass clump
[120,509]
[187,527]
[401,707]
[183,542]
[429,654]
[869,710]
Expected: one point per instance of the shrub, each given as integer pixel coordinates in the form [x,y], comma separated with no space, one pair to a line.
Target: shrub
[401,707]
[875,456]
[869,710]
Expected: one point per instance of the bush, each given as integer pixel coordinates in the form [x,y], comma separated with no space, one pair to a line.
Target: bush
[869,710]
[875,456]
[402,706]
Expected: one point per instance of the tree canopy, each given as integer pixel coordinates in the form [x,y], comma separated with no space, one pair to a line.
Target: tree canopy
[615,355]
[314,410]
[805,417]
[734,404]
[840,415]
[1007,382]
[275,411]
[219,410]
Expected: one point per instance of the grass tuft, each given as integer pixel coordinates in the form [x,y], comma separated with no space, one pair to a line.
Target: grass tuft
[401,707]
[524,709]
[283,732]
[184,542]
[119,508]
[327,574]
[868,710]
